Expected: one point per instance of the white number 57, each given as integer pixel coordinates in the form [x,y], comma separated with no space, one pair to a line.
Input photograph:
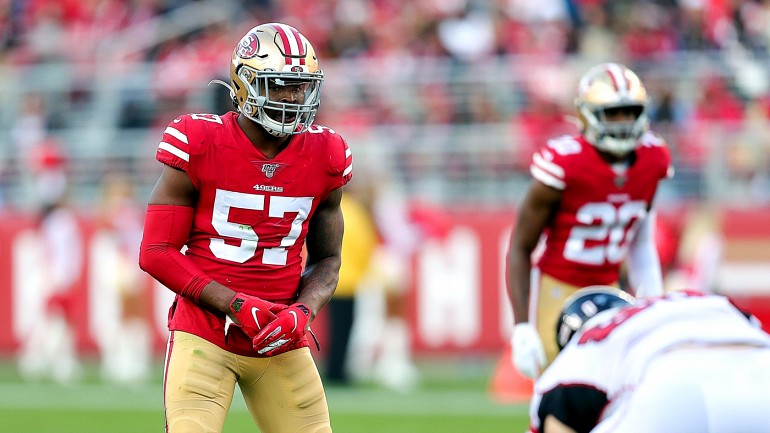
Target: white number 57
[278,206]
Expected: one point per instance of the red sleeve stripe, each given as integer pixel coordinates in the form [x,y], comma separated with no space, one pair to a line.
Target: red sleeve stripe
[170,148]
[348,169]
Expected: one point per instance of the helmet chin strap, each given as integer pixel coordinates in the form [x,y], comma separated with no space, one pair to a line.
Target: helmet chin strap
[275,133]
[232,93]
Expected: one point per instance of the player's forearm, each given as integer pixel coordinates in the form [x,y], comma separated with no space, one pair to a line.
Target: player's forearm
[553,425]
[217,297]
[519,266]
[318,283]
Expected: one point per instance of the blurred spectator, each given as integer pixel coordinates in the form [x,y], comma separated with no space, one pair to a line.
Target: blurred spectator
[49,170]
[699,252]
[596,40]
[31,126]
[381,340]
[124,335]
[468,35]
[358,246]
[650,34]
[49,348]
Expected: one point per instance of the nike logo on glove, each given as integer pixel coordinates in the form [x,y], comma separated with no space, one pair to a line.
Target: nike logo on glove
[272,346]
[254,311]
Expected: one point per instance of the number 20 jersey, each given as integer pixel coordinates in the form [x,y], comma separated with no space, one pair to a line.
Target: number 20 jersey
[600,210]
[252,213]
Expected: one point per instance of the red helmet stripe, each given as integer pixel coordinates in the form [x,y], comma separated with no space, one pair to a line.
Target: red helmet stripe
[612,77]
[618,77]
[294,49]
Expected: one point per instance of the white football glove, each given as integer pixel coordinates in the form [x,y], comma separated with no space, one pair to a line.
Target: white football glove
[528,352]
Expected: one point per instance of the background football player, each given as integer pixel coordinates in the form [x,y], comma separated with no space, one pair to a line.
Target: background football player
[244,191]
[651,365]
[590,201]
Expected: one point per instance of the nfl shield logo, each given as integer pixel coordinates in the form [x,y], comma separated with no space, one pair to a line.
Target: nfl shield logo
[269,169]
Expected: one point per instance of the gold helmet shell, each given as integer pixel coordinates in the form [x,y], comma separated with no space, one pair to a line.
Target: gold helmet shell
[611,86]
[271,55]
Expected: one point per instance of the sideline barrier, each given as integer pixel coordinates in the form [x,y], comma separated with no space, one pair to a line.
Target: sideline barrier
[457,303]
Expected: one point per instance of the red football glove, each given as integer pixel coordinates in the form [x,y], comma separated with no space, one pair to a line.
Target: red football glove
[283,333]
[251,313]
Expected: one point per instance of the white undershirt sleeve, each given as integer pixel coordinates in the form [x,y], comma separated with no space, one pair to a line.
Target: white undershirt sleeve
[644,273]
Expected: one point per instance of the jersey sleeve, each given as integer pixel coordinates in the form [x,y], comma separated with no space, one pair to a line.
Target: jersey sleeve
[668,167]
[658,144]
[341,158]
[578,406]
[550,163]
[174,147]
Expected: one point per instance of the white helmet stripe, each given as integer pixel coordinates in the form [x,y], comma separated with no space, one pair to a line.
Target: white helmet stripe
[619,78]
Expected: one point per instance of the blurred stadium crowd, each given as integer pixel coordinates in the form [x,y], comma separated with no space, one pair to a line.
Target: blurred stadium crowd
[445,98]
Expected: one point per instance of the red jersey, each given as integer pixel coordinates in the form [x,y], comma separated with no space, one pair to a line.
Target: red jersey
[601,207]
[252,213]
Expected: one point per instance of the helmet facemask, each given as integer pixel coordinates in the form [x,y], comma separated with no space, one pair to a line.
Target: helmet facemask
[617,137]
[280,118]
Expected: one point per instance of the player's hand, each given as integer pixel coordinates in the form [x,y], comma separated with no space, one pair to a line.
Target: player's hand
[251,313]
[284,332]
[528,352]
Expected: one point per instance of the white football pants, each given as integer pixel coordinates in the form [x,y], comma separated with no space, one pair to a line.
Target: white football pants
[703,390]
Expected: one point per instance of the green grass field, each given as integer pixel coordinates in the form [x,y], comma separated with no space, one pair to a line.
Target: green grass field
[452,397]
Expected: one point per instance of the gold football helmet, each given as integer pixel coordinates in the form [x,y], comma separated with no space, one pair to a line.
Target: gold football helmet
[275,80]
[610,87]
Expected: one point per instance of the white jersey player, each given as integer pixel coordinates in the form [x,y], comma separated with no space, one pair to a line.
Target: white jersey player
[684,362]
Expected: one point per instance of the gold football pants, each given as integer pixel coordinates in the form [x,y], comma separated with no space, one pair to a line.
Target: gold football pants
[283,393]
[548,295]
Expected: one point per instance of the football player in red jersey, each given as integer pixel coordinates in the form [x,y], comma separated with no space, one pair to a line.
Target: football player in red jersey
[590,200]
[243,192]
